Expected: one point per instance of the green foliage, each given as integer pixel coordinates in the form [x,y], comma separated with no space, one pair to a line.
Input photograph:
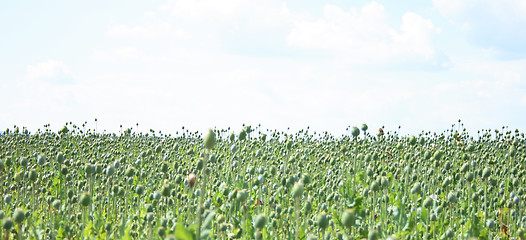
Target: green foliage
[105,186]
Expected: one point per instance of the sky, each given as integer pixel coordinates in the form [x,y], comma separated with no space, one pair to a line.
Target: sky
[326,65]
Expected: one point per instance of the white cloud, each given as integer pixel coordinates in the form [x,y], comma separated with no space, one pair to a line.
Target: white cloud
[202,10]
[494,25]
[127,52]
[363,35]
[50,71]
[151,26]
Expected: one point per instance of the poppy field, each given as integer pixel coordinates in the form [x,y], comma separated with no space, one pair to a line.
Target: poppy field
[252,183]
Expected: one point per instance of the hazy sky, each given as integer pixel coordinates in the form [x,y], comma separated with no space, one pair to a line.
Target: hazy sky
[206,63]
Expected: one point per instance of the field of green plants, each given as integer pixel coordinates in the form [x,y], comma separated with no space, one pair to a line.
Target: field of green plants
[262,184]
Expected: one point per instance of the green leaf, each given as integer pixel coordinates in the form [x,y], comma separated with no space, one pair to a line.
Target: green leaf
[424,214]
[205,234]
[102,233]
[236,233]
[182,233]
[61,234]
[207,224]
[89,230]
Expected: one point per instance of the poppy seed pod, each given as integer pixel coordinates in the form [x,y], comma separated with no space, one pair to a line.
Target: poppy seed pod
[322,220]
[372,235]
[41,160]
[348,218]
[19,216]
[355,131]
[60,157]
[130,172]
[428,202]
[210,139]
[89,169]
[260,221]
[297,190]
[165,191]
[452,197]
[7,224]
[85,199]
[242,135]
[110,170]
[33,175]
[242,195]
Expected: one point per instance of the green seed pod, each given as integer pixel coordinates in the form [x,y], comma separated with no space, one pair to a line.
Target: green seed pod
[417,188]
[375,186]
[384,182]
[364,127]
[520,233]
[166,189]
[297,190]
[41,160]
[469,176]
[516,182]
[18,177]
[355,132]
[89,169]
[322,220]
[8,161]
[242,135]
[33,175]
[56,204]
[210,139]
[348,218]
[139,190]
[452,197]
[64,170]
[308,206]
[260,221]
[161,231]
[289,145]
[130,172]
[449,233]
[490,224]
[149,217]
[110,170]
[85,199]
[438,155]
[178,179]
[7,224]
[60,158]
[446,182]
[242,195]
[373,235]
[464,168]
[306,179]
[200,164]
[369,172]
[149,208]
[412,140]
[428,202]
[164,167]
[19,216]
[474,197]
